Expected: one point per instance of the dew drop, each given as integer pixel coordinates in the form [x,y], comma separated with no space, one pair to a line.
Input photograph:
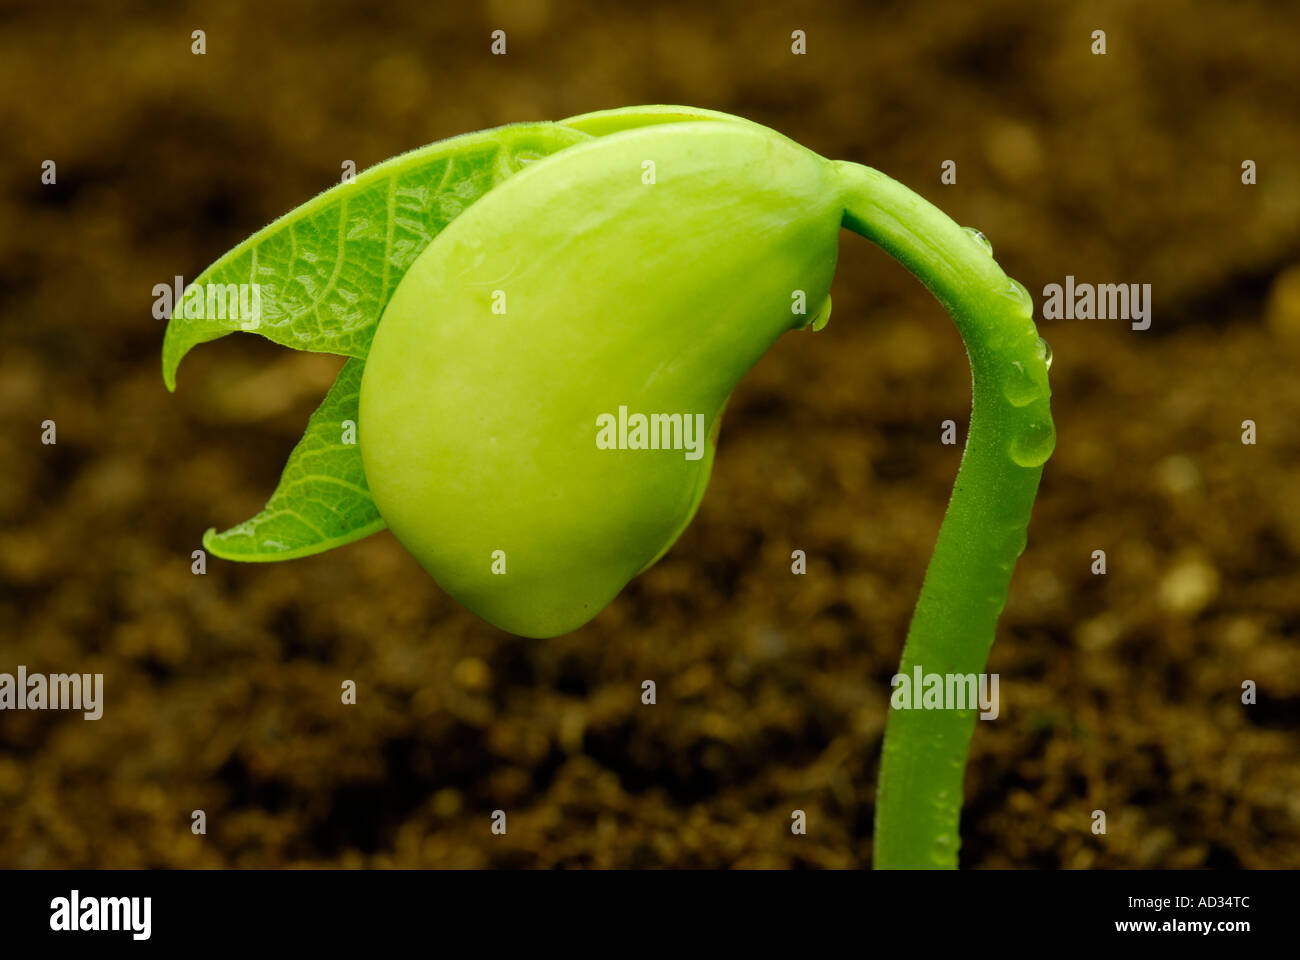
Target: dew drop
[979,238]
[1033,444]
[1020,388]
[823,316]
[1016,291]
[944,851]
[1017,540]
[1045,352]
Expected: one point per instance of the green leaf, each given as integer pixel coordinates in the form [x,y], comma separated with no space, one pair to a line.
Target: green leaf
[326,270]
[322,500]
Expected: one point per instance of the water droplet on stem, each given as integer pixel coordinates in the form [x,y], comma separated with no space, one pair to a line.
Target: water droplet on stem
[1016,290]
[1020,388]
[979,238]
[1045,352]
[1033,444]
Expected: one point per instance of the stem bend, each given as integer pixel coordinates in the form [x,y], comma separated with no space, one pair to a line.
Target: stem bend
[918,801]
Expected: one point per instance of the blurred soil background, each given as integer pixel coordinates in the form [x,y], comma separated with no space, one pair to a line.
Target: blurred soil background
[1120,692]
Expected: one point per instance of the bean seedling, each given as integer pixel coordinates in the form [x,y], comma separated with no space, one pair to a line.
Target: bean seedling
[543,321]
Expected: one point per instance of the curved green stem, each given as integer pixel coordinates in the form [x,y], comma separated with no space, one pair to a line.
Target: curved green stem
[918,802]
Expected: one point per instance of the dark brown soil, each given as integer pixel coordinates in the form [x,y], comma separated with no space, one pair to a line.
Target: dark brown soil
[1120,692]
